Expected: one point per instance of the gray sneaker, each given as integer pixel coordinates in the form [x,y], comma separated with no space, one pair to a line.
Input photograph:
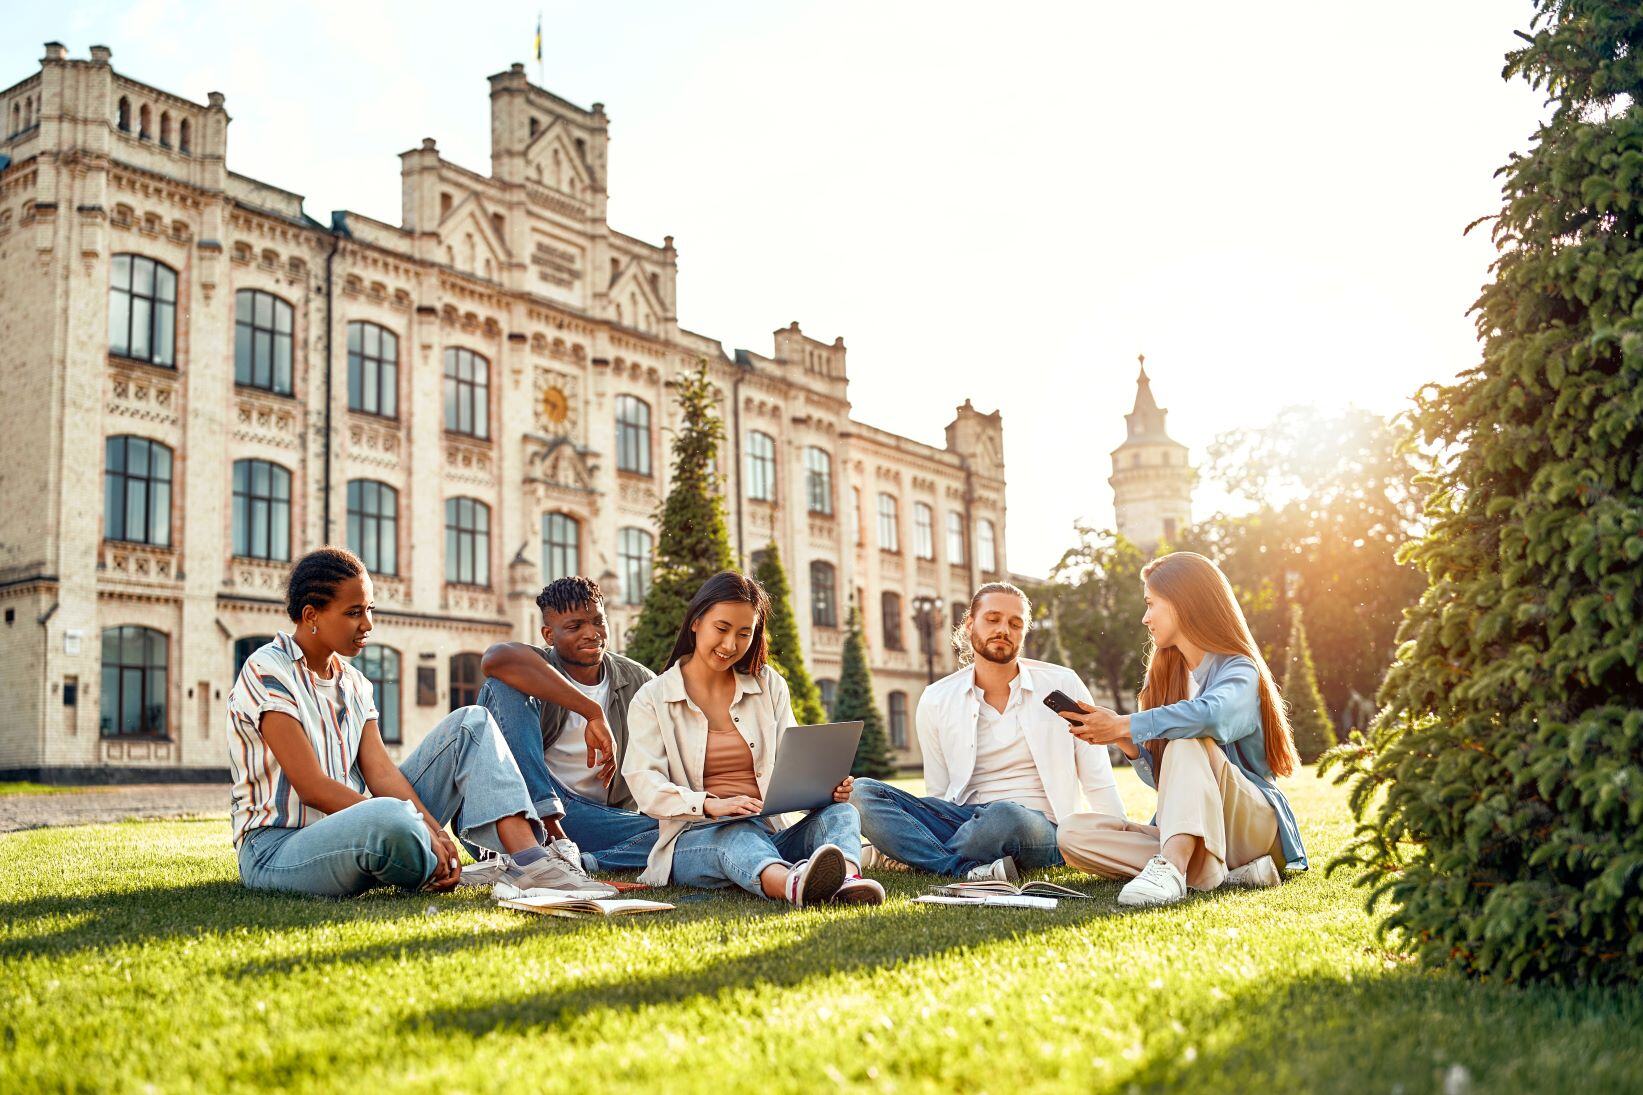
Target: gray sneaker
[486,871]
[554,872]
[999,870]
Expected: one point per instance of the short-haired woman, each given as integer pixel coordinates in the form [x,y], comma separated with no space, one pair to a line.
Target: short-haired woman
[1211,736]
[319,806]
[702,740]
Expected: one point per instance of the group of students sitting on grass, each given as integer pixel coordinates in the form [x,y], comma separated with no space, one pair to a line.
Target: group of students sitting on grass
[577,760]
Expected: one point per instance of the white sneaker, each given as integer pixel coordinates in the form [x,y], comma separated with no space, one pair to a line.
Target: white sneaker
[858,891]
[999,870]
[1261,874]
[1159,883]
[553,872]
[814,881]
[486,871]
[874,860]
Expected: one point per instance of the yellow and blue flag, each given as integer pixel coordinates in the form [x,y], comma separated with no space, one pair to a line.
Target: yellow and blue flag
[538,36]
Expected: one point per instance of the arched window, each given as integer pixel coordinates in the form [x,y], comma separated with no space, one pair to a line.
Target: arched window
[124,118]
[134,682]
[632,435]
[955,538]
[165,129]
[373,525]
[380,665]
[28,112]
[16,120]
[467,542]
[824,595]
[829,694]
[890,611]
[184,131]
[142,310]
[898,720]
[924,531]
[247,646]
[986,546]
[761,467]
[889,524]
[536,126]
[262,341]
[818,475]
[467,393]
[145,130]
[465,680]
[136,491]
[262,510]
[633,554]
[373,370]
[561,539]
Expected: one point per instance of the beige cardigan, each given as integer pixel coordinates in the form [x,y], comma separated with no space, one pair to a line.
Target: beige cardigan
[667,749]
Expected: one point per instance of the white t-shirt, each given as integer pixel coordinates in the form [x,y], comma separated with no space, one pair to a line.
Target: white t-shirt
[568,757]
[1005,771]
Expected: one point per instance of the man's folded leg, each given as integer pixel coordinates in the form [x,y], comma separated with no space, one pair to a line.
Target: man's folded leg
[915,831]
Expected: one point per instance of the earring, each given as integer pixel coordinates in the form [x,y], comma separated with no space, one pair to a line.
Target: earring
[314,630]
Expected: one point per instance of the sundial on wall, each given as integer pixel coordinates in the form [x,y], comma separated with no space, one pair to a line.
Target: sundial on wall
[555,405]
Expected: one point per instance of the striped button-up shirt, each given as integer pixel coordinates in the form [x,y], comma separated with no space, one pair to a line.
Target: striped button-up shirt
[275,678]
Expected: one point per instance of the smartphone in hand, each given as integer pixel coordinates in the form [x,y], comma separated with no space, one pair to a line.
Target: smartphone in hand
[1062,704]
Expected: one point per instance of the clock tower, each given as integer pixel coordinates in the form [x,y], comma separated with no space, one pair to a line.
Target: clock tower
[1151,478]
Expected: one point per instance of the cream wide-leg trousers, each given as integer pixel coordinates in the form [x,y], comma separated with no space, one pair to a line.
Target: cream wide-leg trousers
[1201,794]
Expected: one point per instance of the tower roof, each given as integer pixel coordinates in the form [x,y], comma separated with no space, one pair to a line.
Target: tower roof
[1146,422]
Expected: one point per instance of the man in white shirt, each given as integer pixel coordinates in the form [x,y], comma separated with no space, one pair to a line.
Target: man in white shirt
[1000,766]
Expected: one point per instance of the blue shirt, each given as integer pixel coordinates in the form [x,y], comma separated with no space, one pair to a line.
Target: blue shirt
[1227,710]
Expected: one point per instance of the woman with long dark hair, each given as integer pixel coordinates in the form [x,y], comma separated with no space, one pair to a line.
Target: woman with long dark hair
[702,740]
[1211,735]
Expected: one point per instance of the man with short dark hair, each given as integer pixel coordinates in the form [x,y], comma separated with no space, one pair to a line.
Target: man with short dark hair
[569,742]
[1000,767]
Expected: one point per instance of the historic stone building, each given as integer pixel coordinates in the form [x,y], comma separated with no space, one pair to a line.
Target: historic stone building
[202,382]
[1151,478]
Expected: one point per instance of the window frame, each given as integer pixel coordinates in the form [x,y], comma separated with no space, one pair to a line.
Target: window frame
[629,561]
[385,688]
[266,377]
[818,480]
[761,466]
[958,544]
[633,454]
[373,535]
[276,474]
[147,685]
[889,523]
[380,367]
[890,629]
[986,546]
[161,312]
[924,531]
[896,723]
[558,521]
[469,685]
[824,595]
[478,535]
[470,393]
[156,514]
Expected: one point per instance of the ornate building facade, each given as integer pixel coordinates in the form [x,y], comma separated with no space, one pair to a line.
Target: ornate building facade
[1151,477]
[202,382]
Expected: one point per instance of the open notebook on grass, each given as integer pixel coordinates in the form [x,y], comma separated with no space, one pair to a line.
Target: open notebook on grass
[572,903]
[1036,888]
[992,900]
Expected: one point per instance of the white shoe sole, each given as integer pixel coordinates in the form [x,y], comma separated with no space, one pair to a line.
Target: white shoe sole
[1145,901]
[1261,874]
[823,876]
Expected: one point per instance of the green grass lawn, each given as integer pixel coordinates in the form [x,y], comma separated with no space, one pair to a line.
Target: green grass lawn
[131,959]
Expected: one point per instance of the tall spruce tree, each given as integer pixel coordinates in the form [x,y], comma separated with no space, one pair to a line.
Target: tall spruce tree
[694,544]
[782,632]
[1308,717]
[855,701]
[1510,744]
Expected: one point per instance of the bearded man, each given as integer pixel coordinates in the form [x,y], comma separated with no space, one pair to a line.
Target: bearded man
[1000,766]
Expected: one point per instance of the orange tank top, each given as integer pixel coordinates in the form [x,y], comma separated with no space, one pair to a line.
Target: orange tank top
[728,769]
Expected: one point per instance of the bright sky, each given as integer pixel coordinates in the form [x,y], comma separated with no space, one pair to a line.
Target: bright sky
[999,202]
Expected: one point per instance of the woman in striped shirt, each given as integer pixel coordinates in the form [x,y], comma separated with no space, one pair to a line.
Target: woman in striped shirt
[319,806]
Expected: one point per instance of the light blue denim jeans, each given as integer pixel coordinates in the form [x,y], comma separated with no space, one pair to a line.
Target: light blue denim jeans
[737,852]
[611,839]
[932,834]
[462,772]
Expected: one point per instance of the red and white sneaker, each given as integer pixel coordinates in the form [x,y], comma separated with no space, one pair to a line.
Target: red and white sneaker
[814,881]
[857,890]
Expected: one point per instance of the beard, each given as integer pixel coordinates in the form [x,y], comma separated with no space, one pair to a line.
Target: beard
[999,650]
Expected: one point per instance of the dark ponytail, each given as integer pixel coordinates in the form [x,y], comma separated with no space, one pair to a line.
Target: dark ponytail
[316,576]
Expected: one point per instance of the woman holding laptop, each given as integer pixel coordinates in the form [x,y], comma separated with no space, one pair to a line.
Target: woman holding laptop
[702,741]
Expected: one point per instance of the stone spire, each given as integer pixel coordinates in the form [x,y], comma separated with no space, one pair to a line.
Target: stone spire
[1151,478]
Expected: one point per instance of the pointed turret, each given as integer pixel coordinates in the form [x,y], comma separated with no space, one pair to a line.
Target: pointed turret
[1151,478]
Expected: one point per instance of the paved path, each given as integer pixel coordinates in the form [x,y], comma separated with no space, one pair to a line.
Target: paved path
[113,804]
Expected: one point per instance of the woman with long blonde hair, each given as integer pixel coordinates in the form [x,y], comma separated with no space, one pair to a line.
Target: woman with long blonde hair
[1211,735]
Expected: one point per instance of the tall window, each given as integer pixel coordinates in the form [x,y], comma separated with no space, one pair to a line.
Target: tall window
[889,524]
[955,538]
[857,530]
[818,479]
[244,648]
[986,548]
[465,680]
[262,341]
[829,694]
[124,120]
[262,510]
[632,435]
[467,541]
[373,525]
[142,310]
[924,530]
[890,609]
[134,682]
[561,536]
[136,491]
[824,595]
[380,665]
[373,370]
[898,720]
[633,553]
[467,393]
[761,467]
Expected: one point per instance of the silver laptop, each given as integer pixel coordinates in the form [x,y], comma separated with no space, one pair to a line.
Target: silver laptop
[810,762]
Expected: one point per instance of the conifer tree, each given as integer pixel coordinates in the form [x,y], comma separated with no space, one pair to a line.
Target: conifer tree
[855,701]
[782,632]
[1499,797]
[1308,717]
[694,544]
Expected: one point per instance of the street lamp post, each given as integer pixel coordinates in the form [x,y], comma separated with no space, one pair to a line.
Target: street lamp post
[927,615]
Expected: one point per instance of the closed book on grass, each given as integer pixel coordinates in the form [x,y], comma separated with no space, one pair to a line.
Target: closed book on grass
[999,901]
[993,886]
[549,904]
